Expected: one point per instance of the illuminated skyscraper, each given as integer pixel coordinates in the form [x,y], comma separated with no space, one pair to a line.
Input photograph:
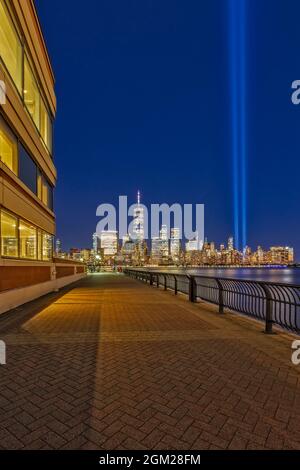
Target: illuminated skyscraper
[57,247]
[290,254]
[96,244]
[191,245]
[138,223]
[127,246]
[109,242]
[247,254]
[230,244]
[138,233]
[164,241]
[175,244]
[156,250]
[281,255]
[260,255]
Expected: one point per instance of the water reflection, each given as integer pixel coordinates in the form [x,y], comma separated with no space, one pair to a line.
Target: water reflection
[284,275]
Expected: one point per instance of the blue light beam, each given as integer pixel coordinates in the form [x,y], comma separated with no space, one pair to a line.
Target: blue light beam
[237,67]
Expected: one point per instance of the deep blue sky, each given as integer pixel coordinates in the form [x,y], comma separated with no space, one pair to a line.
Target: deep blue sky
[144,102]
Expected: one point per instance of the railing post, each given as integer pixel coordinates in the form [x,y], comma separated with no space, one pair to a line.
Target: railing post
[175,285]
[157,281]
[269,315]
[221,296]
[192,289]
[151,279]
[165,282]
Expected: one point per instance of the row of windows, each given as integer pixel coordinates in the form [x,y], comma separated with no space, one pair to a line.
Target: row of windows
[17,63]
[19,239]
[17,159]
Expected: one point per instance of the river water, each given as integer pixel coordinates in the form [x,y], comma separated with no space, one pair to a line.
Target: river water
[284,275]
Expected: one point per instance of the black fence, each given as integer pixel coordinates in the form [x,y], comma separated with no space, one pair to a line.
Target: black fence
[273,303]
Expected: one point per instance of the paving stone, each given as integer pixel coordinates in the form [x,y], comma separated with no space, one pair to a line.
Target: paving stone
[114,364]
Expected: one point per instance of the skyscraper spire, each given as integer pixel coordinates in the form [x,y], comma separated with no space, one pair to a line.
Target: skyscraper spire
[138,222]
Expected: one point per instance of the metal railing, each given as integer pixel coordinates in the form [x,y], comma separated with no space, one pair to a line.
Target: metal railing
[273,303]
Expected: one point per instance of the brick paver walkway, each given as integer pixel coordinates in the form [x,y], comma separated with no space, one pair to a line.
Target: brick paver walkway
[113,363]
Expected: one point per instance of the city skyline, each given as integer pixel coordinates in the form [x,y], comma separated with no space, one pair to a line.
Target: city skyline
[108,248]
[173,127]
[149,242]
[170,236]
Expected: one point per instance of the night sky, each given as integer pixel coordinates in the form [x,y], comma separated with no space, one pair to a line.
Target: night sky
[144,103]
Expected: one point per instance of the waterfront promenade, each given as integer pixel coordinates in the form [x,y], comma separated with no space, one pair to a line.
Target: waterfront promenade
[115,364]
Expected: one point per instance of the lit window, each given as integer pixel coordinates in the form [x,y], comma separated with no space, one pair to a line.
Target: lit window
[8,148]
[45,191]
[10,47]
[39,185]
[39,234]
[18,66]
[9,235]
[46,127]
[47,246]
[28,240]
[31,94]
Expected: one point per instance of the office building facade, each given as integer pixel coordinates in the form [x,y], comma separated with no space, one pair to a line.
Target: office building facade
[27,171]
[109,243]
[175,244]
